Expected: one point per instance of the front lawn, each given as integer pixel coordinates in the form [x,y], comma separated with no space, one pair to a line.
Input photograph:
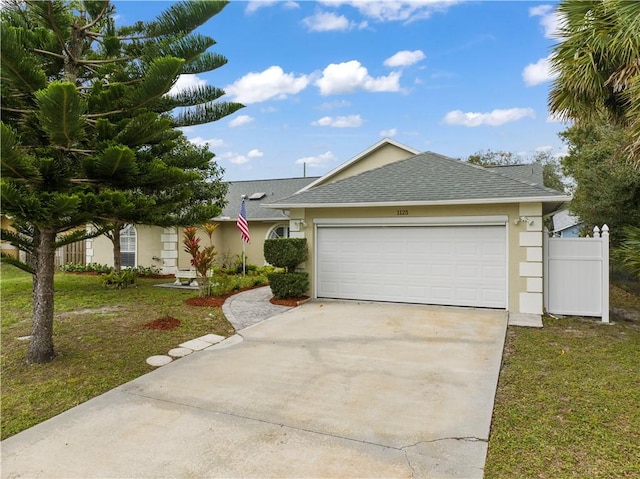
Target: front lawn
[568,399]
[100,338]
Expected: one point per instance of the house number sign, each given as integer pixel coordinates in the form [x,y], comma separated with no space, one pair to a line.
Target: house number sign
[402,212]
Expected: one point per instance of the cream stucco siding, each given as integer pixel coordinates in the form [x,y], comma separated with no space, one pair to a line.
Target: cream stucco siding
[384,155]
[520,287]
[148,246]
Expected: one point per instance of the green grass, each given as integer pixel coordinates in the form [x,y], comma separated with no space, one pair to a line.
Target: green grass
[99,338]
[568,400]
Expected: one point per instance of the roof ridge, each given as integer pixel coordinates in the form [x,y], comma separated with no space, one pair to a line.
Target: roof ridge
[276,179]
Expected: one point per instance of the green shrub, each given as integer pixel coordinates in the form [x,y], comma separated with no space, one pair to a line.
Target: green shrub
[123,279]
[86,268]
[289,285]
[627,255]
[147,270]
[285,252]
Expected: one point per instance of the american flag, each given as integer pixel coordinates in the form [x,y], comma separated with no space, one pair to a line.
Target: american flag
[242,224]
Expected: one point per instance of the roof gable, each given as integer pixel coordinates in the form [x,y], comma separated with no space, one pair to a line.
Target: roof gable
[384,152]
[427,178]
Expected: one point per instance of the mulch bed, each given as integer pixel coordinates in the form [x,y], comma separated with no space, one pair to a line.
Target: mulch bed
[168,322]
[212,301]
[218,301]
[291,302]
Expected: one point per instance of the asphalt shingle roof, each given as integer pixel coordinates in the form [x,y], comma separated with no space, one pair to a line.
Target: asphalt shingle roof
[274,190]
[530,173]
[427,177]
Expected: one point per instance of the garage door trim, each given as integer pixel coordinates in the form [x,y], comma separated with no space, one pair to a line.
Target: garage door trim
[497,220]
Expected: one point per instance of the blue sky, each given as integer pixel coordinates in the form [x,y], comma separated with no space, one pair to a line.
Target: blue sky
[323,81]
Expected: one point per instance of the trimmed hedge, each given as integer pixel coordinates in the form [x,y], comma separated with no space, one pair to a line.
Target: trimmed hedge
[288,285]
[285,252]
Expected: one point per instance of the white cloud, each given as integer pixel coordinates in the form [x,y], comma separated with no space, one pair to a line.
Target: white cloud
[538,72]
[494,118]
[317,161]
[549,19]
[241,120]
[239,159]
[271,83]
[210,143]
[255,153]
[404,58]
[393,11]
[388,133]
[351,121]
[348,77]
[186,82]
[255,5]
[326,21]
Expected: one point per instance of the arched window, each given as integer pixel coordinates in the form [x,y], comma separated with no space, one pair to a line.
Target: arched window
[128,246]
[279,231]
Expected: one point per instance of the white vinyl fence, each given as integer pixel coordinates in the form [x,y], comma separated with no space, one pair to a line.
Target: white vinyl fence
[576,276]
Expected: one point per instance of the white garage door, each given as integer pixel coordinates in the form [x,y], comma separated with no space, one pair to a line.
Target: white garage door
[447,265]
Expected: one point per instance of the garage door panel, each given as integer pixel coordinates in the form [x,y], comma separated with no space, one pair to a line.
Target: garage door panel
[453,265]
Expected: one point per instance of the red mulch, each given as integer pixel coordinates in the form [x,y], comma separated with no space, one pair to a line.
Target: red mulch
[291,302]
[165,323]
[218,301]
[212,301]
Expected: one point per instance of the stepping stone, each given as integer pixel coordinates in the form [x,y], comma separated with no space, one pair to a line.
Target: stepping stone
[179,352]
[196,344]
[212,338]
[159,360]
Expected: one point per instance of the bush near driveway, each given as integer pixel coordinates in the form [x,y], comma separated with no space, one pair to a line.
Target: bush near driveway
[568,398]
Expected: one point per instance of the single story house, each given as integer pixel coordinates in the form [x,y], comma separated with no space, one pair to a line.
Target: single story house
[425,228]
[391,224]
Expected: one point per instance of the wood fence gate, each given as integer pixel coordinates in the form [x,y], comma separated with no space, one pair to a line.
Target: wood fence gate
[71,253]
[576,276]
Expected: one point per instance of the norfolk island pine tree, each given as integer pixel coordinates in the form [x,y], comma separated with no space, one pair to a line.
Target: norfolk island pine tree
[84,110]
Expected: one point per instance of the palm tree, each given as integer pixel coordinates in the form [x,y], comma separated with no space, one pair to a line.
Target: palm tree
[598,64]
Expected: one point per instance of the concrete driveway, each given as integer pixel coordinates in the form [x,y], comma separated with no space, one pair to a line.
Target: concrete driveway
[328,389]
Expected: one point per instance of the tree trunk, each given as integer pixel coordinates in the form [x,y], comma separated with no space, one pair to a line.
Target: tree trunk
[41,344]
[117,250]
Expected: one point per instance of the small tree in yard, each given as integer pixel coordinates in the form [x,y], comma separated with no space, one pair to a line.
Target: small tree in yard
[202,258]
[287,253]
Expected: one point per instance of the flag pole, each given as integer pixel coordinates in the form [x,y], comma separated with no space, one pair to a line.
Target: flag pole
[244,245]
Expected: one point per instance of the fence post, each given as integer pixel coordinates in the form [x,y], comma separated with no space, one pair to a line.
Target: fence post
[605,273]
[545,268]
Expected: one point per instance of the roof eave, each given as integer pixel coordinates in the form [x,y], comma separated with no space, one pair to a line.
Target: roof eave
[475,201]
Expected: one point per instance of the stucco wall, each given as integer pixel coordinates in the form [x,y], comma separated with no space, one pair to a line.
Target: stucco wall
[383,156]
[148,245]
[524,241]
[6,247]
